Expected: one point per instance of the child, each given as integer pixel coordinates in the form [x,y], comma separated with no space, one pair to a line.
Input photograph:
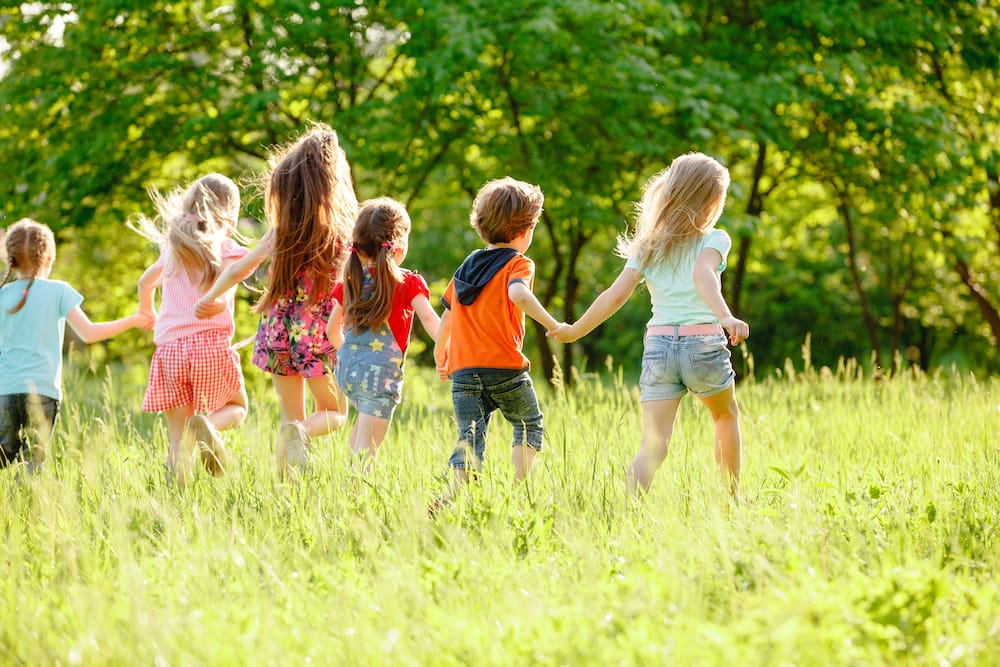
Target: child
[482,329]
[194,369]
[311,205]
[680,254]
[371,321]
[33,315]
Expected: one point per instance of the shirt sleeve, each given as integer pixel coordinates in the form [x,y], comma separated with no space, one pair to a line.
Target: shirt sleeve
[68,299]
[522,270]
[719,240]
[414,285]
[449,294]
[337,294]
[233,250]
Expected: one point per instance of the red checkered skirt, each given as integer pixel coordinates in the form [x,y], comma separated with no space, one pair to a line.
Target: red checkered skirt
[200,370]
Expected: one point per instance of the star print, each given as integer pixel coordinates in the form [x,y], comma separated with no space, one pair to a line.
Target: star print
[376,345]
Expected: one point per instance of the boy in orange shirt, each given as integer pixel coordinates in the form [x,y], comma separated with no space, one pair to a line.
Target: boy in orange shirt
[482,329]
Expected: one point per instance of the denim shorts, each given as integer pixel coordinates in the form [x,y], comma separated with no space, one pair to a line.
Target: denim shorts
[674,365]
[476,394]
[20,427]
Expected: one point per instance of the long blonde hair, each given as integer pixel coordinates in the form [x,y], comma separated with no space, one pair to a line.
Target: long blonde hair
[28,244]
[192,223]
[311,205]
[680,204]
[383,225]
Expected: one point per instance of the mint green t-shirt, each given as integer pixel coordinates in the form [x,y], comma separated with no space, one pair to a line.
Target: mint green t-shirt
[671,284]
[31,339]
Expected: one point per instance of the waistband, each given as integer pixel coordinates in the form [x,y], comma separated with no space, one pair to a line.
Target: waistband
[685,330]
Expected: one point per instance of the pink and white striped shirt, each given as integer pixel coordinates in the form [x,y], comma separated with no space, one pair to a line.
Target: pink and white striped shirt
[176,318]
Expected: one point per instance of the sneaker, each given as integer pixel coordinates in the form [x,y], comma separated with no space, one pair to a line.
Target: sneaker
[293,447]
[209,443]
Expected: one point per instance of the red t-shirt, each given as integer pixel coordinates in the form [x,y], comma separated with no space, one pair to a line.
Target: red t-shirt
[401,315]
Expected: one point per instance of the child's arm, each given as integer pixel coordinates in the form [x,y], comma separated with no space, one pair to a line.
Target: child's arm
[605,305]
[428,318]
[239,270]
[529,304]
[706,281]
[91,332]
[335,326]
[441,345]
[148,282]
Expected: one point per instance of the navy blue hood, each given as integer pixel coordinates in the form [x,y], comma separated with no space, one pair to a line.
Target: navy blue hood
[477,270]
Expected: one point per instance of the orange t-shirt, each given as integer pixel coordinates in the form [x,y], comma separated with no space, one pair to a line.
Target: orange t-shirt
[487,329]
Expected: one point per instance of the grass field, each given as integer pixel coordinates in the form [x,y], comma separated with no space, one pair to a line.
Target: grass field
[869,537]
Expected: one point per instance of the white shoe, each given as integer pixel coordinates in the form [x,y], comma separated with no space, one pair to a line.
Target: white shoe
[293,448]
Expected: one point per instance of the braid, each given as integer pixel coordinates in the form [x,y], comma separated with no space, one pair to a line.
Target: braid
[24,297]
[37,242]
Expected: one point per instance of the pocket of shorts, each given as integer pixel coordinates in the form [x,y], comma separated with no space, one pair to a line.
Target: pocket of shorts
[654,368]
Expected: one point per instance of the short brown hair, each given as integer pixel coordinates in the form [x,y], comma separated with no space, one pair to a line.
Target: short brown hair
[505,208]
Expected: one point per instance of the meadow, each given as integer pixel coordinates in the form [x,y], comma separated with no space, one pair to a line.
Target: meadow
[868,536]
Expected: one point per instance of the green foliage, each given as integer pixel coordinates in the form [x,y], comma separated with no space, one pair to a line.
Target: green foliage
[861,138]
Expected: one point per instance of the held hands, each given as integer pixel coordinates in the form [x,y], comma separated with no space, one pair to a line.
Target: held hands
[204,308]
[737,329]
[564,333]
[144,319]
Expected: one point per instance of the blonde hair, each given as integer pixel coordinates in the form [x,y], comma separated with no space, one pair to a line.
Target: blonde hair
[505,208]
[311,205]
[680,204]
[28,245]
[192,223]
[382,225]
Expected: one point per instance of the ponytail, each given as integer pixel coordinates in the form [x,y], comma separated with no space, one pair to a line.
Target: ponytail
[373,311]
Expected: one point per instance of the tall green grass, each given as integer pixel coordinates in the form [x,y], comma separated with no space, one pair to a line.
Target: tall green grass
[868,537]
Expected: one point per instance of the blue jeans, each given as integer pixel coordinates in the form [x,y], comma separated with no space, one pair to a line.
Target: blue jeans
[24,423]
[674,365]
[476,394]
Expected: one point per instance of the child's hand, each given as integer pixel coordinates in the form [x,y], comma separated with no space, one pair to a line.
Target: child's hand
[145,319]
[737,329]
[563,333]
[204,309]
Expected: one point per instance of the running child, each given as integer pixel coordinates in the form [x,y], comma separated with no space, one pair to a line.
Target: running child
[681,255]
[311,206]
[33,315]
[482,330]
[194,369]
[372,319]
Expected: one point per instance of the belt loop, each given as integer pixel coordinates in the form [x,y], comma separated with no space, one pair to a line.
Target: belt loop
[677,331]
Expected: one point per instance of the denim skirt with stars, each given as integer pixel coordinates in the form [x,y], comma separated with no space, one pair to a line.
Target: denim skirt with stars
[369,371]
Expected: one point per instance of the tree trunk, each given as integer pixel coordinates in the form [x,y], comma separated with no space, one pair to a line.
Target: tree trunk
[867,317]
[755,205]
[979,295]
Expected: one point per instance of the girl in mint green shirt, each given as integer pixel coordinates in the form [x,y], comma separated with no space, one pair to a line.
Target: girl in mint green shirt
[681,256]
[33,315]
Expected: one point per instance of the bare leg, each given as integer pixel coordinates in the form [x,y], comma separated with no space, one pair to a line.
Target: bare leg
[522,457]
[291,390]
[657,428]
[231,414]
[728,440]
[331,407]
[366,436]
[179,453]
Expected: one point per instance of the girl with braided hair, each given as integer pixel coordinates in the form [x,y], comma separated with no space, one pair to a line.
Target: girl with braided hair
[34,311]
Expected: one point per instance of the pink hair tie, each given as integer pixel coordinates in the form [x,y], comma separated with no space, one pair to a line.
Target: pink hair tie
[353,249]
[388,245]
